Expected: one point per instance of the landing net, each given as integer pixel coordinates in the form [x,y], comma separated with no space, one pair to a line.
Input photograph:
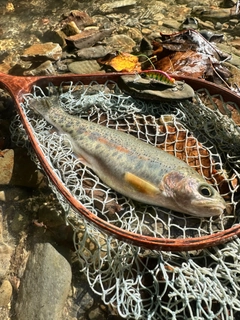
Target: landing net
[140,283]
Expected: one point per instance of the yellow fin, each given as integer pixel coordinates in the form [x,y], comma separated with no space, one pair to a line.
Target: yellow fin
[140,184]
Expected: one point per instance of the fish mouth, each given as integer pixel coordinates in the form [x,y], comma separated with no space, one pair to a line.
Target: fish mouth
[215,209]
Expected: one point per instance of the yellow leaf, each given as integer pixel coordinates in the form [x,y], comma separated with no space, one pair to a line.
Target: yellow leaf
[125,62]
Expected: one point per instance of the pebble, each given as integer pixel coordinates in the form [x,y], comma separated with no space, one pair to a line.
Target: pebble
[45,285]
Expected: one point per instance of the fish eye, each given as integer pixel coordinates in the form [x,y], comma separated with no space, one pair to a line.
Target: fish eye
[205,191]
[143,75]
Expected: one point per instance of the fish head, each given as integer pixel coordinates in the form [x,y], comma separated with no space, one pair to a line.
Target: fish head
[191,194]
[42,105]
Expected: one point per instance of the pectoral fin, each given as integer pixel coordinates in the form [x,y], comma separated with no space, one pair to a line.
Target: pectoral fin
[140,184]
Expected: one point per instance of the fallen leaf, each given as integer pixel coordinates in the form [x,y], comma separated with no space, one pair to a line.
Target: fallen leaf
[188,53]
[123,62]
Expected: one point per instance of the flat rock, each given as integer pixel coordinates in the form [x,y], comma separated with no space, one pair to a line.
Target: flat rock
[212,14]
[86,66]
[87,38]
[45,285]
[93,52]
[121,42]
[42,52]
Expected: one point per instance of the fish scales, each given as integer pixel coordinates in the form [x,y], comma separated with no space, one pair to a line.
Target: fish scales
[132,167]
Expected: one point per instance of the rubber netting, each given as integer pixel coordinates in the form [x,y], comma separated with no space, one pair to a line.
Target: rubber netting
[140,283]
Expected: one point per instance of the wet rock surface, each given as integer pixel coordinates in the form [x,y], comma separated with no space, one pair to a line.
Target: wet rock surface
[43,38]
[47,275]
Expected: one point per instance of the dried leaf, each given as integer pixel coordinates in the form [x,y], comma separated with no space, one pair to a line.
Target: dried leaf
[188,53]
[189,63]
[123,62]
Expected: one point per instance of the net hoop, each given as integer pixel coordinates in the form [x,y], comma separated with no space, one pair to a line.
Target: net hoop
[148,242]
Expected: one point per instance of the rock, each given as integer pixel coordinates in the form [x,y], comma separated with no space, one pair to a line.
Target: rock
[235,54]
[113,6]
[45,285]
[88,38]
[56,36]
[81,18]
[5,252]
[146,31]
[45,68]
[121,43]
[70,29]
[93,52]
[212,14]
[135,34]
[236,43]
[18,169]
[171,23]
[86,66]
[5,293]
[123,3]
[42,52]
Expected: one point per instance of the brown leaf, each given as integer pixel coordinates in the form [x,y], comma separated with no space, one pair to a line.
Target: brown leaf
[188,53]
[189,63]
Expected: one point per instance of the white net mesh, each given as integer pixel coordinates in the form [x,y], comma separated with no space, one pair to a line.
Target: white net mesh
[145,284]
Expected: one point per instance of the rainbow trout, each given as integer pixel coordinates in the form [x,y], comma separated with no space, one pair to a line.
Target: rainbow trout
[132,167]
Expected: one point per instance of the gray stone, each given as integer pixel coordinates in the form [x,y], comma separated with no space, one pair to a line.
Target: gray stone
[45,285]
[121,43]
[93,52]
[85,66]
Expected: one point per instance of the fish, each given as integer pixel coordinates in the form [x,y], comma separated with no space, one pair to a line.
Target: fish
[159,76]
[132,167]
